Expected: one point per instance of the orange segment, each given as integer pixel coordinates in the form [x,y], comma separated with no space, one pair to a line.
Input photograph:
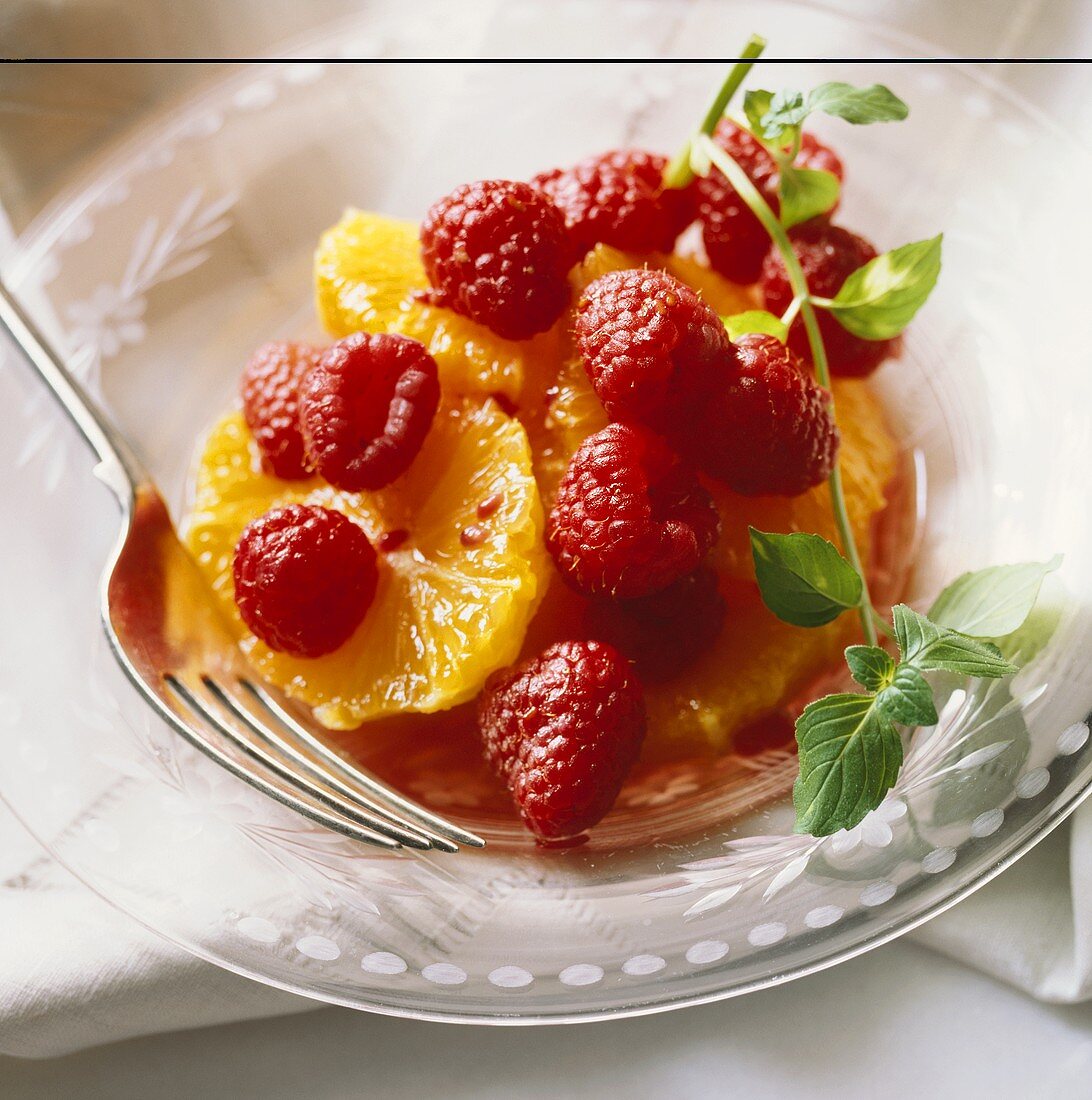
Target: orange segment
[446,614]
[367,268]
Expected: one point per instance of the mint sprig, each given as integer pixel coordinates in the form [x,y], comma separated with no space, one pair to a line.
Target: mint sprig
[850,744]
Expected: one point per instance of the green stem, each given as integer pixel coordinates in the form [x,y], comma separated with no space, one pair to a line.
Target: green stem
[679,173]
[789,315]
[761,209]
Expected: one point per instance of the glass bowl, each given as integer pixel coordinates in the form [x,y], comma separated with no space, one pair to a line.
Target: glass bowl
[188,245]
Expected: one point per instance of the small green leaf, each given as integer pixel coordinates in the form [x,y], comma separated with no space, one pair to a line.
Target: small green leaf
[756,103]
[806,193]
[993,602]
[802,577]
[850,755]
[858,106]
[870,666]
[755,320]
[908,698]
[879,300]
[927,646]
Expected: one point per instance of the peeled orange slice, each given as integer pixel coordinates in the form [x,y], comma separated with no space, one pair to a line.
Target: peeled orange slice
[367,268]
[454,598]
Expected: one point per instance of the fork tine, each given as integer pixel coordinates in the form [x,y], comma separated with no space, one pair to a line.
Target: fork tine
[271,763]
[360,778]
[284,746]
[192,736]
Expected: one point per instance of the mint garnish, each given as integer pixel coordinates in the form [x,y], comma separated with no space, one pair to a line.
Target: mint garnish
[850,744]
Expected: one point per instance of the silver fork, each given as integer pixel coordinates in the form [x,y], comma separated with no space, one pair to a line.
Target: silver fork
[169,638]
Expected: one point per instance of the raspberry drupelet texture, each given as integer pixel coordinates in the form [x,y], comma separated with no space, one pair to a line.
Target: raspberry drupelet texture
[651,346]
[828,255]
[304,579]
[617,198]
[771,432]
[630,517]
[366,407]
[562,732]
[270,390]
[665,633]
[498,252]
[735,241]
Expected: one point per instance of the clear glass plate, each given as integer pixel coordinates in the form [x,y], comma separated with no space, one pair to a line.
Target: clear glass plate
[190,244]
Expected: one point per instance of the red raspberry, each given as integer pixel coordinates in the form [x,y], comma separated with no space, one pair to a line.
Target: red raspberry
[562,732]
[366,407]
[304,579]
[618,198]
[651,346]
[629,517]
[771,432]
[828,254]
[497,251]
[665,633]
[735,241]
[270,391]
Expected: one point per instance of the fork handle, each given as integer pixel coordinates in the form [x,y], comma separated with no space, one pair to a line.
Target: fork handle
[118,467]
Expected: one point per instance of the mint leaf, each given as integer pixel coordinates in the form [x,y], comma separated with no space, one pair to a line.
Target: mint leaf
[879,300]
[850,755]
[805,193]
[908,698]
[993,602]
[870,666]
[927,646]
[755,320]
[803,579]
[781,121]
[858,106]
[787,109]
[756,103]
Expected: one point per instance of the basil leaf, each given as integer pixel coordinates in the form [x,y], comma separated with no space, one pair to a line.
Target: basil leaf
[802,577]
[858,106]
[806,193]
[927,646]
[756,104]
[879,300]
[850,755]
[908,698]
[993,602]
[871,666]
[755,320]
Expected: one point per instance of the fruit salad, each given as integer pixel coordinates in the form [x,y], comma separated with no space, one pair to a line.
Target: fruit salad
[524,478]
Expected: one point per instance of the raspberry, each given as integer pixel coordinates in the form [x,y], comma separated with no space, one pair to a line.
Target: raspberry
[366,407]
[618,198]
[562,731]
[629,517]
[497,252]
[650,345]
[771,431]
[665,633]
[270,390]
[304,579]
[828,254]
[735,241]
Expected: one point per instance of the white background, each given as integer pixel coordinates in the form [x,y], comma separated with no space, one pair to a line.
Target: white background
[899,1022]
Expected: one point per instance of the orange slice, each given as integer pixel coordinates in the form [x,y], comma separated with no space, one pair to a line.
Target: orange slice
[367,270]
[453,600]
